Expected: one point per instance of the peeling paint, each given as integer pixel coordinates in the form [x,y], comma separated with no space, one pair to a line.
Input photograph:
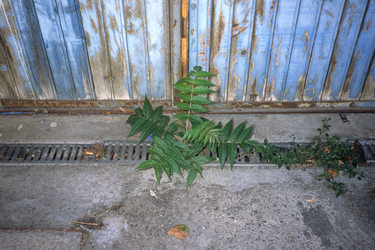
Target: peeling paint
[278,52]
[301,87]
[326,95]
[271,9]
[93,25]
[348,79]
[260,10]
[307,38]
[328,23]
[233,78]
[368,92]
[328,13]
[217,34]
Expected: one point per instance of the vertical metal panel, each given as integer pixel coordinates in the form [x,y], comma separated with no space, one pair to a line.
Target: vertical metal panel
[362,57]
[329,21]
[287,14]
[74,38]
[242,30]
[348,33]
[222,18]
[308,19]
[33,47]
[175,40]
[199,35]
[48,15]
[265,14]
[368,92]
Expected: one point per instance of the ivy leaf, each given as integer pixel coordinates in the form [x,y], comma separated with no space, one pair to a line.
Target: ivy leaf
[147,108]
[145,165]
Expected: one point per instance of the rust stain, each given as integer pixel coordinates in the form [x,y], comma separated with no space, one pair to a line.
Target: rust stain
[174,24]
[301,87]
[113,23]
[278,52]
[307,38]
[93,25]
[368,24]
[239,30]
[349,75]
[217,35]
[192,32]
[328,23]
[260,10]
[233,78]
[333,67]
[88,39]
[368,92]
[271,10]
[328,13]
[89,4]
[119,71]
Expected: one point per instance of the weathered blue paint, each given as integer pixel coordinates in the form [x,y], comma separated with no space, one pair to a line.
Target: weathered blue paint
[54,42]
[220,46]
[199,33]
[41,81]
[74,38]
[348,34]
[242,30]
[264,20]
[368,91]
[362,57]
[287,14]
[157,16]
[326,34]
[308,19]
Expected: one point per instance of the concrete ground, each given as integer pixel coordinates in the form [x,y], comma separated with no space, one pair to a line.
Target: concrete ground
[256,206]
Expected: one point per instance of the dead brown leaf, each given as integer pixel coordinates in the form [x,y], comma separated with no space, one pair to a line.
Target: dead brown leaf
[179,231]
[127,111]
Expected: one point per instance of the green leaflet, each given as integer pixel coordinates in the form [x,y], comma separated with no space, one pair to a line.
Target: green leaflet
[237,132]
[227,130]
[232,153]
[183,87]
[200,74]
[246,134]
[200,100]
[193,107]
[197,68]
[156,114]
[147,109]
[181,116]
[147,128]
[145,165]
[202,159]
[185,97]
[200,90]
[138,126]
[191,177]
[255,145]
[223,153]
[197,82]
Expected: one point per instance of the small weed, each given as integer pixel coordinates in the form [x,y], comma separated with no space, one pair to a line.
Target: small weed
[335,156]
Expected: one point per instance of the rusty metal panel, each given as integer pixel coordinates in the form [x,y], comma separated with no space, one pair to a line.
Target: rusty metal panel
[32,46]
[308,19]
[265,15]
[221,33]
[362,56]
[329,21]
[242,30]
[368,91]
[285,27]
[350,25]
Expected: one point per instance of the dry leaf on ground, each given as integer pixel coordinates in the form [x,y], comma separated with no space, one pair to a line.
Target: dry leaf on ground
[179,231]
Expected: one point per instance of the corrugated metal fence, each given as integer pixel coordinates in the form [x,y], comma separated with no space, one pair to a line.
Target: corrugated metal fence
[266,53]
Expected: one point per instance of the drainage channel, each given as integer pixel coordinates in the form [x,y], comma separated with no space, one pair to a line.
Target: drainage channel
[116,151]
[108,151]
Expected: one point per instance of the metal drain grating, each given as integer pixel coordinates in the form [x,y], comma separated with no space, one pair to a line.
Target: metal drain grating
[368,148]
[108,151]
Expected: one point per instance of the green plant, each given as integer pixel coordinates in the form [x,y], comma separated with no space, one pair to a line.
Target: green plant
[335,156]
[178,145]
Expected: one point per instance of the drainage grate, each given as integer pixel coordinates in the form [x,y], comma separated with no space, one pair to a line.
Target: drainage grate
[368,148]
[118,151]
[108,151]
